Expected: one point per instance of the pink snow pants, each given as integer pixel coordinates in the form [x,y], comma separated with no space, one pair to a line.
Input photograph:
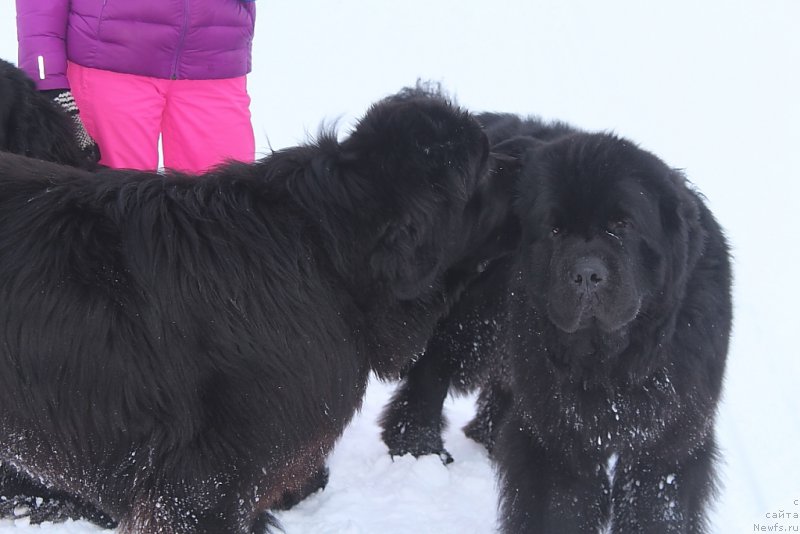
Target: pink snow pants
[201,122]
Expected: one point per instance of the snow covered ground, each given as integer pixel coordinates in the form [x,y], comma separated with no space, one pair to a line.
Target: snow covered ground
[713,87]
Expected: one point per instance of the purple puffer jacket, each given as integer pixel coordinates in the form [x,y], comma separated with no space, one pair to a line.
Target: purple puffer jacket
[179,39]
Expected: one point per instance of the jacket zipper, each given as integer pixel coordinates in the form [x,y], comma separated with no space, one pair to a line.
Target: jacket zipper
[179,50]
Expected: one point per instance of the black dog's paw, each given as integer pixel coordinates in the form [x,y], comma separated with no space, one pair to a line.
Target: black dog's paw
[481,432]
[38,509]
[412,426]
[403,437]
[317,482]
[46,509]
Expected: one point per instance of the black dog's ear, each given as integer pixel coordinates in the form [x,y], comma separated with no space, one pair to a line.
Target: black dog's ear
[680,219]
[512,152]
[490,230]
[678,207]
[406,257]
[489,211]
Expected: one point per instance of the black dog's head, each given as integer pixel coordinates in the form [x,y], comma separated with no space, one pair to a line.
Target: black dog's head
[395,191]
[426,158]
[391,201]
[31,125]
[609,232]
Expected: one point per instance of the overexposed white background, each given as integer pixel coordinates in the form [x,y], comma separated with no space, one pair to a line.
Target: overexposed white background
[712,87]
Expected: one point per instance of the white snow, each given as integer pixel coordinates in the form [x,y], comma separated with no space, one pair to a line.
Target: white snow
[712,87]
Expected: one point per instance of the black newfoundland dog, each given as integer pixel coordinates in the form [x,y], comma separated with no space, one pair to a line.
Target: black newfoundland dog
[32,125]
[179,354]
[599,344]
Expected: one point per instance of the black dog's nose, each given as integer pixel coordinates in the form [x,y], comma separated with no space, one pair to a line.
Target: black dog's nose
[589,273]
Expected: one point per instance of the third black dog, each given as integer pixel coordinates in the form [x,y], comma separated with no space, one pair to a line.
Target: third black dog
[31,124]
[599,345]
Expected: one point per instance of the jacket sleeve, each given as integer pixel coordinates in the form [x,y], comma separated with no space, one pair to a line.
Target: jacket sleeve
[42,32]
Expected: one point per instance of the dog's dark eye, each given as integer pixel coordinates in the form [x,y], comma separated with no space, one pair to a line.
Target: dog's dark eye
[555,231]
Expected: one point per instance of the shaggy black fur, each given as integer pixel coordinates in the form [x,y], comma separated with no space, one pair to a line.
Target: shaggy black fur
[32,125]
[599,345]
[179,354]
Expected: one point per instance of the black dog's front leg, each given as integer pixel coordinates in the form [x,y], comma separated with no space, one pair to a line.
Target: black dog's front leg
[654,496]
[492,405]
[542,490]
[413,421]
[463,351]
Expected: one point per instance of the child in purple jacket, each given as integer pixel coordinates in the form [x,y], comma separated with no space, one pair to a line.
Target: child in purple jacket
[137,70]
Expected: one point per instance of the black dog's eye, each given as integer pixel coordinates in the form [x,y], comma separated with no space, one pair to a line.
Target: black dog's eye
[555,231]
[616,228]
[617,225]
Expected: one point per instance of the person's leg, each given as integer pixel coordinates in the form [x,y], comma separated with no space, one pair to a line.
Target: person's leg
[207,122]
[122,113]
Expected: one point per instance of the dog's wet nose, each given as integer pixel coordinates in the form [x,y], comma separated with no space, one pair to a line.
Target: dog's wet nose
[588,274]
